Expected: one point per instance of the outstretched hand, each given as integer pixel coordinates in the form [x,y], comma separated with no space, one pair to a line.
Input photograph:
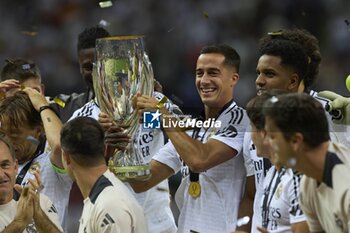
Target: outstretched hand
[339,107]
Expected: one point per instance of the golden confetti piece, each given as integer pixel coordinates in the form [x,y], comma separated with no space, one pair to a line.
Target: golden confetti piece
[29,33]
[59,102]
[205,14]
[105,4]
[104,23]
[274,33]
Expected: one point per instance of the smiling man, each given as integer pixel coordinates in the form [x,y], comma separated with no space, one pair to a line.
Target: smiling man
[26,214]
[209,158]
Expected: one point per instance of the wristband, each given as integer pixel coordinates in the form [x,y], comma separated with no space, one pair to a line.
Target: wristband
[42,108]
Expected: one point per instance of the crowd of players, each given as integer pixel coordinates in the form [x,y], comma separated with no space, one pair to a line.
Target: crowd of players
[283,160]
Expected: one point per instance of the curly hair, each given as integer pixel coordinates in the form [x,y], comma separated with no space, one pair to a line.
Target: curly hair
[310,45]
[291,53]
[87,38]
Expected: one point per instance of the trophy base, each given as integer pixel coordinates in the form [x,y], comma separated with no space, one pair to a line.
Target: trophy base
[131,173]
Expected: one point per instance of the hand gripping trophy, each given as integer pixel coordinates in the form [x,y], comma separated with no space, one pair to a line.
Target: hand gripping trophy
[121,71]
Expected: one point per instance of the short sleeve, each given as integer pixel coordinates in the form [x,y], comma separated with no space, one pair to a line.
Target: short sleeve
[168,156]
[248,161]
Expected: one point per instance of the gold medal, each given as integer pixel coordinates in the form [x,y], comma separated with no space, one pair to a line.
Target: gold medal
[194,189]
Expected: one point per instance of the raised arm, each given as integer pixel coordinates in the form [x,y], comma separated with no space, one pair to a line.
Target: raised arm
[52,124]
[159,173]
[199,156]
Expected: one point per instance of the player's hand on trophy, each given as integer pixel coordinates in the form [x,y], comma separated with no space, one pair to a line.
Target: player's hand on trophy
[115,139]
[144,103]
[338,107]
[105,121]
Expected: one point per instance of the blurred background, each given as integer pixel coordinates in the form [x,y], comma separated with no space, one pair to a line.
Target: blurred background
[175,30]
[46,31]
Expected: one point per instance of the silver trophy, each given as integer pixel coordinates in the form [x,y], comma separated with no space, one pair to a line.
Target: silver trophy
[121,71]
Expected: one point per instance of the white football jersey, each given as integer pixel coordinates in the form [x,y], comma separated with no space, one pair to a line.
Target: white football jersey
[216,209]
[255,166]
[156,201]
[8,213]
[327,205]
[280,204]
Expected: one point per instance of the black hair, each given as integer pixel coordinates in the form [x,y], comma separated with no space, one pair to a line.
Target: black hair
[83,138]
[310,45]
[255,107]
[299,113]
[291,54]
[87,38]
[232,58]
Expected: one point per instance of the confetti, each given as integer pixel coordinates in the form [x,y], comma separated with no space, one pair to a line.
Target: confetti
[30,33]
[279,33]
[104,23]
[205,14]
[105,4]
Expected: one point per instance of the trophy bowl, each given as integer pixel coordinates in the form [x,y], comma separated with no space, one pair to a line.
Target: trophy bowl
[122,70]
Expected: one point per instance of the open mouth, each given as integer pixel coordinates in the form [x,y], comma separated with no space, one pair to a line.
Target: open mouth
[208,90]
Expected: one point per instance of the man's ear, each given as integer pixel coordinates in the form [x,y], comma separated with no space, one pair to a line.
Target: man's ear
[235,78]
[296,141]
[294,82]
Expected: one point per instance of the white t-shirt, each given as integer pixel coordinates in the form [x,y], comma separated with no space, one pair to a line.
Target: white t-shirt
[216,209]
[255,166]
[57,185]
[327,205]
[280,204]
[156,201]
[8,213]
[110,207]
